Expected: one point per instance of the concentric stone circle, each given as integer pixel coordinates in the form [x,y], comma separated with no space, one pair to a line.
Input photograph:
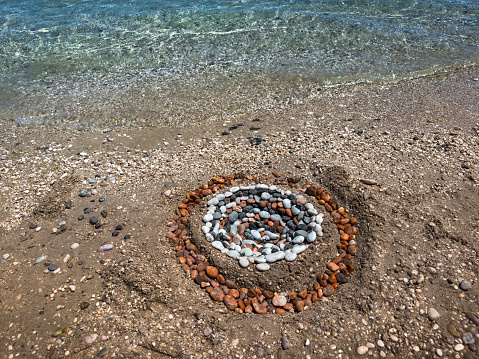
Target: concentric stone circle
[253,299]
[244,223]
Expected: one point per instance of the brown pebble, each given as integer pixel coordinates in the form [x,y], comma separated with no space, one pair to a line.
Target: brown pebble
[217,294]
[303,293]
[333,266]
[279,301]
[243,293]
[328,291]
[288,307]
[221,279]
[299,306]
[268,294]
[234,293]
[230,302]
[230,284]
[212,272]
[260,308]
[292,295]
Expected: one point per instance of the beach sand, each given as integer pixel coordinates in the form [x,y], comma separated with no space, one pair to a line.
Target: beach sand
[418,228]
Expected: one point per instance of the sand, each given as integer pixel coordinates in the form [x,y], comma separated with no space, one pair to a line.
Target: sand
[417,241]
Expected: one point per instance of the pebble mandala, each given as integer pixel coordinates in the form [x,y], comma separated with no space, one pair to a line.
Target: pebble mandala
[258,225]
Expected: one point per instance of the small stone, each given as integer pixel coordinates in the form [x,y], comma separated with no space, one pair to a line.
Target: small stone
[105,247]
[468,338]
[284,343]
[362,350]
[243,262]
[458,347]
[439,352]
[262,267]
[104,213]
[81,217]
[93,220]
[279,301]
[208,217]
[84,305]
[74,246]
[52,267]
[465,285]
[115,233]
[91,338]
[290,256]
[207,332]
[432,314]
[369,182]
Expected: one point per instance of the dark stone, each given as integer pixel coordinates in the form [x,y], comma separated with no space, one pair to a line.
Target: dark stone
[63,227]
[127,236]
[284,343]
[104,213]
[472,318]
[87,210]
[102,199]
[52,267]
[68,205]
[115,233]
[80,218]
[119,227]
[84,305]
[32,225]
[93,220]
[226,133]
[97,225]
[101,353]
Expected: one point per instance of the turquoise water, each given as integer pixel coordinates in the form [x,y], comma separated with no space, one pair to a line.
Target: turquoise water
[69,43]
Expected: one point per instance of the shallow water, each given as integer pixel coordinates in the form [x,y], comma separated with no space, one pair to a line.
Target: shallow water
[65,49]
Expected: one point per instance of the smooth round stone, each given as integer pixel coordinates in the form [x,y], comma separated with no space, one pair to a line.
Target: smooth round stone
[209,237]
[243,262]
[233,254]
[205,229]
[362,350]
[223,209]
[458,347]
[299,248]
[234,189]
[52,267]
[264,215]
[275,217]
[432,314]
[274,257]
[312,212]
[262,267]
[208,217]
[298,240]
[93,220]
[259,259]
[74,246]
[213,202]
[246,252]
[272,235]
[295,210]
[465,285]
[265,196]
[290,256]
[220,197]
[217,215]
[105,247]
[311,237]
[256,235]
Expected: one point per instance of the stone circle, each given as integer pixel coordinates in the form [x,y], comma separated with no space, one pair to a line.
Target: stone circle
[244,224]
[224,289]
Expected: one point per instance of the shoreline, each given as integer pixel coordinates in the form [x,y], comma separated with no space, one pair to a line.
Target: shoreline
[417,243]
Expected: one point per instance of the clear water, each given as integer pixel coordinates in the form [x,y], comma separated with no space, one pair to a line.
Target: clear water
[44,44]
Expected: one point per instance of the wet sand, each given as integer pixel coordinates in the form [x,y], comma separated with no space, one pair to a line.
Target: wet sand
[417,241]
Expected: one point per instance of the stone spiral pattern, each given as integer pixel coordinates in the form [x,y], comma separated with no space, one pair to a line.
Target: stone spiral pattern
[257,300]
[245,224]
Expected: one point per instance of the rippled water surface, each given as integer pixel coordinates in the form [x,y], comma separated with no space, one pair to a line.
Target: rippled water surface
[68,44]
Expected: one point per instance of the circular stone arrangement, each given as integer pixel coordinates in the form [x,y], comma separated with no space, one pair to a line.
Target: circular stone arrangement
[245,224]
[254,299]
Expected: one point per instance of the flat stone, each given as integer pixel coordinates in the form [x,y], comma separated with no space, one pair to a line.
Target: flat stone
[279,301]
[208,217]
[465,285]
[284,343]
[298,248]
[432,314]
[217,245]
[290,256]
[274,257]
[264,215]
[311,237]
[362,350]
[298,240]
[262,267]
[233,254]
[213,202]
[243,262]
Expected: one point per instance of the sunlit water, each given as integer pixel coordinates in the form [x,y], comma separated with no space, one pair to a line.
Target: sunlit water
[44,44]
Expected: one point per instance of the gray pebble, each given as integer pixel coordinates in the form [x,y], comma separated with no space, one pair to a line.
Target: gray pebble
[233,216]
[284,343]
[262,267]
[468,338]
[243,262]
[264,215]
[208,331]
[432,314]
[233,254]
[311,237]
[290,256]
[298,248]
[274,257]
[465,285]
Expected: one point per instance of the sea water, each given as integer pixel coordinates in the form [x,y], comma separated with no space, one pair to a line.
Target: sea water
[63,60]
